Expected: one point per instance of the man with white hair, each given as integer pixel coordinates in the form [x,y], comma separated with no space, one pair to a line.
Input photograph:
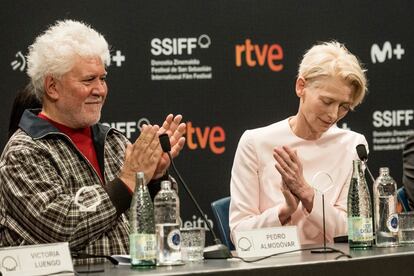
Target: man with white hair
[62,148]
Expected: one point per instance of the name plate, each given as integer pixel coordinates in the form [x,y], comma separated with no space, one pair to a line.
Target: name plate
[266,241]
[43,259]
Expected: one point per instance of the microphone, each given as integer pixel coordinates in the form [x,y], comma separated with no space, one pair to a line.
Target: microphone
[363,156]
[217,251]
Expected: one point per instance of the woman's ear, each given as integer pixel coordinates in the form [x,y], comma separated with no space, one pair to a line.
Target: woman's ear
[300,86]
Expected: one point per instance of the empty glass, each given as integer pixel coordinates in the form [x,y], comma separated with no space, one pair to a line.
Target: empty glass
[192,244]
[406,228]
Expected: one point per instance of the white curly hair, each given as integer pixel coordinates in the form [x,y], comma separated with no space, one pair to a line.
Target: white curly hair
[54,51]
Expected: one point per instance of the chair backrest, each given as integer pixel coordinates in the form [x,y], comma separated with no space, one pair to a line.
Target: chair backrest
[402,198]
[221,214]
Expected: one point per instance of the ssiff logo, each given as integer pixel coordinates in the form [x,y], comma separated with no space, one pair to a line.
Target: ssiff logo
[270,55]
[178,46]
[392,118]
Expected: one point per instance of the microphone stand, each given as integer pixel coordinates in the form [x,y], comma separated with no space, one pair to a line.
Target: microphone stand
[217,251]
[324,249]
[369,172]
[318,185]
[363,156]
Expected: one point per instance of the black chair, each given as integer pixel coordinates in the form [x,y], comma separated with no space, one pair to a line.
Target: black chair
[402,198]
[221,214]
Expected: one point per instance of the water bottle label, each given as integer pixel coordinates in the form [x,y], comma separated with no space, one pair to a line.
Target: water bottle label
[143,246]
[392,223]
[174,238]
[360,229]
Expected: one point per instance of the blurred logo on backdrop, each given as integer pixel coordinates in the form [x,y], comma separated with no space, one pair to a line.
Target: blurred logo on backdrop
[180,58]
[129,129]
[197,221]
[211,138]
[386,51]
[118,58]
[391,126]
[252,54]
[391,129]
[18,62]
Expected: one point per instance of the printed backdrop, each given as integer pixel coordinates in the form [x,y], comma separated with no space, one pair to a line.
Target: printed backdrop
[226,66]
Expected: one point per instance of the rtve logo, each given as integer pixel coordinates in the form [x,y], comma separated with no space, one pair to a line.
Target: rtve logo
[386,52]
[200,137]
[178,46]
[255,54]
[211,138]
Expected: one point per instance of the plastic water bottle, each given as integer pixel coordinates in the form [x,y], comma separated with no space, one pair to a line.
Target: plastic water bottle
[359,210]
[167,225]
[385,202]
[142,240]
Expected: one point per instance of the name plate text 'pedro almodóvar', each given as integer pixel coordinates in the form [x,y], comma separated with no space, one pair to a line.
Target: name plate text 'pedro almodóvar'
[266,241]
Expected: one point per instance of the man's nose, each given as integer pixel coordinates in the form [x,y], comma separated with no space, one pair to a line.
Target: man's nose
[99,88]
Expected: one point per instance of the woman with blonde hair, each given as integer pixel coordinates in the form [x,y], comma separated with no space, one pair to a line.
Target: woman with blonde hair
[274,165]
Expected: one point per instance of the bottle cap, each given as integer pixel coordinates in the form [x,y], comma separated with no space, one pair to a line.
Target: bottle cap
[165,184]
[384,170]
[140,178]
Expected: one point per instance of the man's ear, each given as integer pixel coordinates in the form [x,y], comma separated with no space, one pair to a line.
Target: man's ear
[51,90]
[300,86]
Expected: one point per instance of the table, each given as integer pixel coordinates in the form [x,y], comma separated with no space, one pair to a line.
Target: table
[375,261]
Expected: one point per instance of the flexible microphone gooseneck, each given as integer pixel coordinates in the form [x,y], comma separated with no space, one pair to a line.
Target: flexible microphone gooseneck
[217,251]
[363,155]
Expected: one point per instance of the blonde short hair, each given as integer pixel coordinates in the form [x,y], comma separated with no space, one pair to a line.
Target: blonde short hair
[333,59]
[53,52]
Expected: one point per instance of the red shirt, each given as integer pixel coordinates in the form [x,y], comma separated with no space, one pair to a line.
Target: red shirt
[82,138]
